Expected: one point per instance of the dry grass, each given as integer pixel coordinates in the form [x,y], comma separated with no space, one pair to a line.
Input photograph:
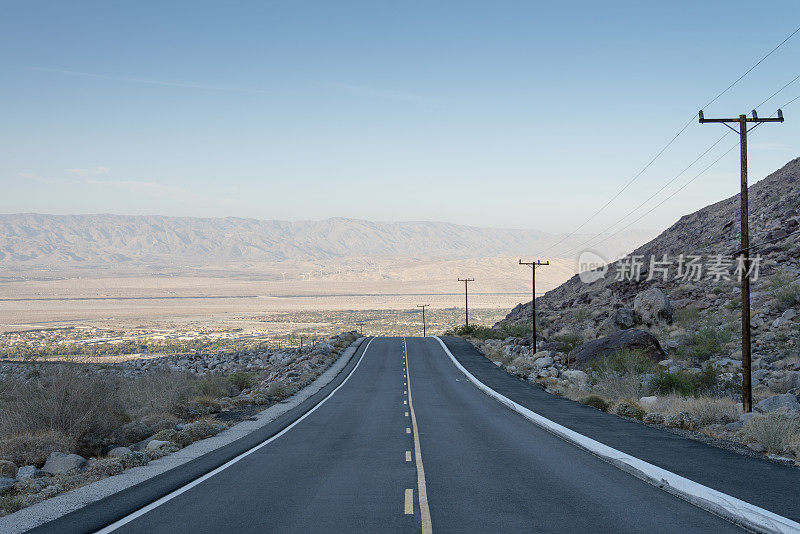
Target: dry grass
[706,410]
[776,431]
[70,408]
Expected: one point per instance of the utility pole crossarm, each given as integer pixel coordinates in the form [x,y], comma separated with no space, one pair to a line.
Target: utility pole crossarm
[754,118]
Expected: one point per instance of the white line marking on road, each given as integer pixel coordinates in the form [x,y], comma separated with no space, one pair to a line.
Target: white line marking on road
[734,510]
[409,505]
[153,505]
[408,430]
[406,414]
[408,456]
[422,490]
[405,402]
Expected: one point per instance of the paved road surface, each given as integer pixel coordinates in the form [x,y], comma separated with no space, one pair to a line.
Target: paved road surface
[353,466]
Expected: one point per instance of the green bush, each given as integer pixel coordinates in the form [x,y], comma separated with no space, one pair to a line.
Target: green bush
[680,383]
[630,409]
[622,362]
[569,339]
[595,401]
[242,379]
[213,386]
[782,289]
[686,317]
[705,342]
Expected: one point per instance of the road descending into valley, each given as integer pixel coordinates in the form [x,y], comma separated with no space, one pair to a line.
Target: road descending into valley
[407,444]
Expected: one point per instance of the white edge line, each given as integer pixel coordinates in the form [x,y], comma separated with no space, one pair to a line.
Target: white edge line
[155,504]
[735,510]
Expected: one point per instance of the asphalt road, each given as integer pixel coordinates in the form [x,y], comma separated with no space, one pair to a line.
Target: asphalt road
[354,465]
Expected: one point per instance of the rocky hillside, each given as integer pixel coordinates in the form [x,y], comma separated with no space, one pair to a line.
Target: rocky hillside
[117,240]
[695,318]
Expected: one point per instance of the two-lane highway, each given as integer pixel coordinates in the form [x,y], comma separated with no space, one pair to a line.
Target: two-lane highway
[407,444]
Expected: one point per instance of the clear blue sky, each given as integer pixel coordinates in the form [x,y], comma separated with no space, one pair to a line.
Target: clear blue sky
[514,114]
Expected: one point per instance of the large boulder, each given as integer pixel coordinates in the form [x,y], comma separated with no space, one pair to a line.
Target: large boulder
[59,463]
[631,339]
[771,404]
[652,306]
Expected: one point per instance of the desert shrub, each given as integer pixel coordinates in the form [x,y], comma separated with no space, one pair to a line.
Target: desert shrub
[34,448]
[775,431]
[280,390]
[69,399]
[479,332]
[10,503]
[202,429]
[180,438]
[521,329]
[630,409]
[686,317]
[105,467]
[135,459]
[242,379]
[595,401]
[620,375]
[704,342]
[569,339]
[156,393]
[666,383]
[213,386]
[784,291]
[582,314]
[706,410]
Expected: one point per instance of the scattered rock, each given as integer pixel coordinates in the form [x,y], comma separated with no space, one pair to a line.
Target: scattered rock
[757,447]
[27,472]
[682,420]
[654,418]
[652,306]
[155,444]
[770,404]
[544,361]
[59,463]
[624,318]
[734,426]
[648,402]
[631,339]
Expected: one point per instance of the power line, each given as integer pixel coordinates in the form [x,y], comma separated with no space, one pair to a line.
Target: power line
[574,249]
[681,188]
[671,181]
[671,141]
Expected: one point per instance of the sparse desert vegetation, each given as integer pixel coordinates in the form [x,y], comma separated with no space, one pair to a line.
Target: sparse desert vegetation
[66,424]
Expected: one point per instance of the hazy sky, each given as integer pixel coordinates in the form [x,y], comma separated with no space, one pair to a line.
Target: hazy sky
[516,114]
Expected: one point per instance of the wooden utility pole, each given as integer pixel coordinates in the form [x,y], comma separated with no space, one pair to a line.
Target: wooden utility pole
[424,328]
[361,326]
[533,265]
[466,297]
[747,386]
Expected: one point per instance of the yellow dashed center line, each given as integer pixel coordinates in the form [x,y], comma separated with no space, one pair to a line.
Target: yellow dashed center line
[424,510]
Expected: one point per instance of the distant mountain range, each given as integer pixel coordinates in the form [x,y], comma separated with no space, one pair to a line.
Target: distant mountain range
[117,240]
